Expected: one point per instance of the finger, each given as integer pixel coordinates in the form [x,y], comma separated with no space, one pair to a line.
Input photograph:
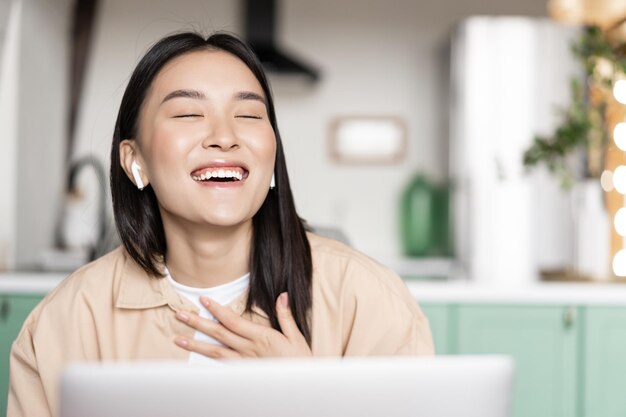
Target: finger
[207,349]
[232,321]
[214,330]
[285,319]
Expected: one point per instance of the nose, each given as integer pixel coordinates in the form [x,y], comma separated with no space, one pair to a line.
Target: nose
[220,135]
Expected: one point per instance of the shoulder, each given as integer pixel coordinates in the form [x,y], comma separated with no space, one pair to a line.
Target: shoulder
[374,308]
[92,283]
[332,253]
[341,268]
[93,278]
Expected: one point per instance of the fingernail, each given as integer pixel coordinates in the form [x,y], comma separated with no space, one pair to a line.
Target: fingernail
[182,316]
[205,301]
[284,299]
[181,342]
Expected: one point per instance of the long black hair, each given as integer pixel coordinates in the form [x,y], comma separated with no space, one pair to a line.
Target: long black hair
[280,257]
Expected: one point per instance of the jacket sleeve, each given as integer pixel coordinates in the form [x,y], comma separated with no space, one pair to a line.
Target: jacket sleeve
[27,396]
[386,319]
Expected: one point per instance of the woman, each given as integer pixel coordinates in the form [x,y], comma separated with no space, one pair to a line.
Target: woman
[215,261]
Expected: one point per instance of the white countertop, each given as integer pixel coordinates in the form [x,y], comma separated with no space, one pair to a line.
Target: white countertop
[456,291]
[29,282]
[560,293]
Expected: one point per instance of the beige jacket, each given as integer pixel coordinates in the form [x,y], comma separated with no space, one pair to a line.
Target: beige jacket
[112,310]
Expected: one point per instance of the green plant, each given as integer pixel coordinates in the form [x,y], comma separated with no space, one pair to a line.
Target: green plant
[570,135]
[584,123]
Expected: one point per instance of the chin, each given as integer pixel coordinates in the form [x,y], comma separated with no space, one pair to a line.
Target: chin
[226,220]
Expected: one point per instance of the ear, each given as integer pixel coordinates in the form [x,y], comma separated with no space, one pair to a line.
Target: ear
[129,152]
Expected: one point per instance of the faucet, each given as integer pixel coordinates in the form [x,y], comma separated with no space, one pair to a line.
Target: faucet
[100,246]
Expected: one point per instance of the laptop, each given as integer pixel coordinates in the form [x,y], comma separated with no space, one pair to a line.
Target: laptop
[445,386]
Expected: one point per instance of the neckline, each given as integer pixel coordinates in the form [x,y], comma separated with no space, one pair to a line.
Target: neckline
[241,281]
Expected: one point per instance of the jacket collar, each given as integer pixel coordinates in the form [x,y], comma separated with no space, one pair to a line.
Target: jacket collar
[138,290]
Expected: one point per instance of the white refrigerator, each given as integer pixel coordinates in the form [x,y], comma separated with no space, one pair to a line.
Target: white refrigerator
[510,79]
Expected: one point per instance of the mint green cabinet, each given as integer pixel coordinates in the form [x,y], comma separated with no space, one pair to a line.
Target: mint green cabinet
[570,361]
[604,370]
[439,318]
[542,340]
[14,308]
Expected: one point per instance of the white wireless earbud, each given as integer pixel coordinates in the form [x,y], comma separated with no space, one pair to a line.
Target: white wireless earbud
[273,183]
[134,167]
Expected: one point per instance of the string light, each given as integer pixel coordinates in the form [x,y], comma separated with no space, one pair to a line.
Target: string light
[620,221]
[619,263]
[619,179]
[619,136]
[606,180]
[619,91]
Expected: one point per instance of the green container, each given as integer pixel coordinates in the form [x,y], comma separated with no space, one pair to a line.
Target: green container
[425,219]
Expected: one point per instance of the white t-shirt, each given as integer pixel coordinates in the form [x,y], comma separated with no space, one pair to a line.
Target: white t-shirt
[222,294]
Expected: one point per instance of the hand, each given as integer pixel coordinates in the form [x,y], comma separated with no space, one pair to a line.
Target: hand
[243,338]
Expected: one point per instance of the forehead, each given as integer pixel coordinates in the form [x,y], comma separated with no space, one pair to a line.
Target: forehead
[206,69]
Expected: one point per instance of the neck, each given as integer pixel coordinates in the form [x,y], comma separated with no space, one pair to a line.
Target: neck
[207,256]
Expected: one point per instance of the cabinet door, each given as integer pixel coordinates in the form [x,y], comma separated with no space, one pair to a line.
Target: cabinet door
[605,362]
[542,340]
[13,312]
[438,317]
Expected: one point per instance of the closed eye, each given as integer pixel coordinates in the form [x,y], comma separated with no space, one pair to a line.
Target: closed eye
[248,116]
[180,116]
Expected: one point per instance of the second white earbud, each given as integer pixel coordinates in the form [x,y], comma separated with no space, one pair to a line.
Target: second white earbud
[135,168]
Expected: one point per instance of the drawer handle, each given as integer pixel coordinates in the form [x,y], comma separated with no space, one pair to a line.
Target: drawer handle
[5,308]
[568,317]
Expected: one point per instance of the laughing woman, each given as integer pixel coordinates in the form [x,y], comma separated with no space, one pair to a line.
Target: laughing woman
[215,261]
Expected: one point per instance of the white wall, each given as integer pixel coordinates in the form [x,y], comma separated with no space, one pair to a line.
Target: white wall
[124,32]
[376,56]
[9,79]
[41,124]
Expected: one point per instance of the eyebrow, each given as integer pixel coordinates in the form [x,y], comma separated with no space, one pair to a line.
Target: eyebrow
[199,95]
[249,95]
[195,94]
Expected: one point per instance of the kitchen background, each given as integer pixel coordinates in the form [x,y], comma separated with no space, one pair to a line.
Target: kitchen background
[376,58]
[535,270]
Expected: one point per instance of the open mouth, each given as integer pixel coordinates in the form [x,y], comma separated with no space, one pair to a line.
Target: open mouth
[221,175]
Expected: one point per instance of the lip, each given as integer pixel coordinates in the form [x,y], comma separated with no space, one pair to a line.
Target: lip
[220,185]
[221,163]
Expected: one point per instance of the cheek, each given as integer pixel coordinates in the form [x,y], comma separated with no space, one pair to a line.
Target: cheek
[169,147]
[263,145]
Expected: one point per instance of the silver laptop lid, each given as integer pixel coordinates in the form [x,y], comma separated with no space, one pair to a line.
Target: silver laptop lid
[468,386]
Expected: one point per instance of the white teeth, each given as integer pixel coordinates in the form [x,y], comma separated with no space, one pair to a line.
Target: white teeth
[220,173]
